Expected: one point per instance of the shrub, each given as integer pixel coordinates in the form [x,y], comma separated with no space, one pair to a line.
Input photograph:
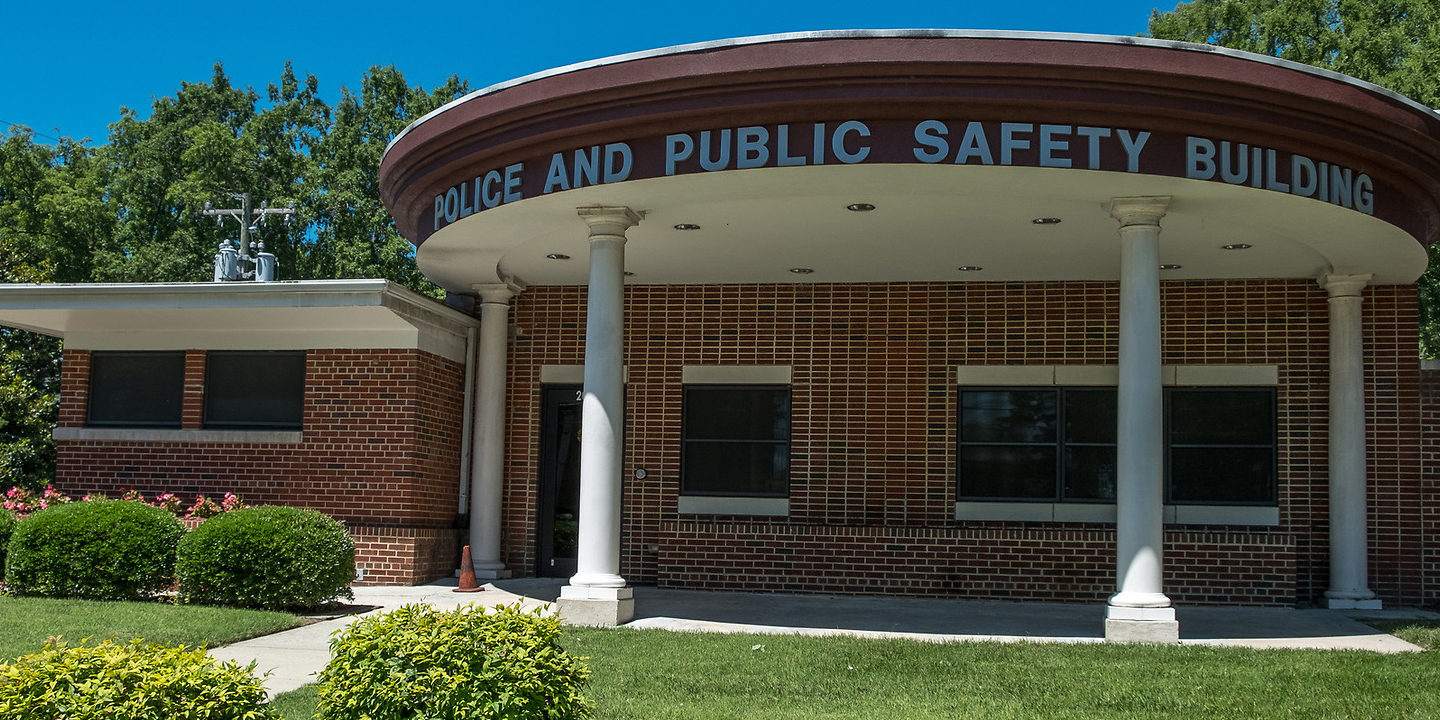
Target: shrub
[468,663]
[99,550]
[7,527]
[129,682]
[266,557]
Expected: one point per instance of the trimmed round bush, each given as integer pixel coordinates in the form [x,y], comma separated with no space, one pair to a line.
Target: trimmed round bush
[96,550]
[468,663]
[129,682]
[267,557]
[7,528]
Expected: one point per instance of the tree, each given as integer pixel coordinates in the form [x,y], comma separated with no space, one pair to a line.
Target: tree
[1392,43]
[354,232]
[207,144]
[52,214]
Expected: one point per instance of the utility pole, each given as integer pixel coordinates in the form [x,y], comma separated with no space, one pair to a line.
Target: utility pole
[232,257]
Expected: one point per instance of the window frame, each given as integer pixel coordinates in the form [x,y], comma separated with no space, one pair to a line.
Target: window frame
[1057,495]
[97,357]
[686,441]
[210,423]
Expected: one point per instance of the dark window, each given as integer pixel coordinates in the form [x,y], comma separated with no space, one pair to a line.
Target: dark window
[254,390]
[1222,446]
[736,440]
[136,389]
[1058,445]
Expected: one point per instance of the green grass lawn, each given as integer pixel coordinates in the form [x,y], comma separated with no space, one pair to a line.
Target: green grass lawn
[1425,633]
[25,623]
[654,674]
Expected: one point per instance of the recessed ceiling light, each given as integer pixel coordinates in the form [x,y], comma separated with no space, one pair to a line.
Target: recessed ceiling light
[859,207]
[1045,221]
[801,271]
[558,256]
[629,274]
[970,268]
[1235,246]
[1170,267]
[687,226]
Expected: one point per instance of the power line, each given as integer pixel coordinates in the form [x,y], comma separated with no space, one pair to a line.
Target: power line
[10,126]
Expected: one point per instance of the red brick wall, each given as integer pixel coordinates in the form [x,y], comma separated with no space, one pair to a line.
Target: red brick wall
[403,555]
[380,449]
[873,429]
[1429,506]
[997,563]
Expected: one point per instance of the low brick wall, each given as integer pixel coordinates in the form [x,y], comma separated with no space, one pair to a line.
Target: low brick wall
[404,556]
[994,562]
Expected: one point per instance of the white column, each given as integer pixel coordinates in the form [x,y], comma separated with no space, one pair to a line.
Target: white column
[487,459]
[597,594]
[1139,611]
[1349,568]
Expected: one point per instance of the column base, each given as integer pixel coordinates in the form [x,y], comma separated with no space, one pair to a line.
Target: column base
[1156,632]
[1352,604]
[596,607]
[488,571]
[1141,625]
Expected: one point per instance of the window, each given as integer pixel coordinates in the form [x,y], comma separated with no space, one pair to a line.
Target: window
[1221,446]
[136,389]
[736,440]
[1058,445]
[254,390]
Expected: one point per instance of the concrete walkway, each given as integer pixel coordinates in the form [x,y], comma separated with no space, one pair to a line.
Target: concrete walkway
[295,656]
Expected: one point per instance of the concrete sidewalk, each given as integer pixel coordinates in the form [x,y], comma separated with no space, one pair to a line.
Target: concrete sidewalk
[294,657]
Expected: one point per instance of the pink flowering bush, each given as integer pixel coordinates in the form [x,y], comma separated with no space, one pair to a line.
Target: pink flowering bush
[22,502]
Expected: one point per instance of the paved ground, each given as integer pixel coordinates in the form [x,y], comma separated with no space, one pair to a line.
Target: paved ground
[295,656]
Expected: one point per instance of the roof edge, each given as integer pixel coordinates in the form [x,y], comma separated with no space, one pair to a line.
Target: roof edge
[907,33]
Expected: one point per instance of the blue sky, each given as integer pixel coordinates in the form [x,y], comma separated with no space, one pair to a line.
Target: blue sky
[67,68]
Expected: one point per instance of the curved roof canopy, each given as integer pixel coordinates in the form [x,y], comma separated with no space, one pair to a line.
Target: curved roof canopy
[750,157]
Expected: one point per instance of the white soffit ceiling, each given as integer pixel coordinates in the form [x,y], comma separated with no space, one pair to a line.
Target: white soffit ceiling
[929,220]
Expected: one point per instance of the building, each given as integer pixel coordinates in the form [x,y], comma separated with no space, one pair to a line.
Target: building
[942,313]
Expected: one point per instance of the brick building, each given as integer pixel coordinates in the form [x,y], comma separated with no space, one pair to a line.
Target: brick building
[946,314]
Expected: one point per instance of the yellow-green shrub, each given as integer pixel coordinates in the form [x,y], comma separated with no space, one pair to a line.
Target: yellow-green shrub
[129,682]
[466,664]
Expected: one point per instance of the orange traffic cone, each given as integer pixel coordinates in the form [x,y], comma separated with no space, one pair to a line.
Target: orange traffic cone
[467,573]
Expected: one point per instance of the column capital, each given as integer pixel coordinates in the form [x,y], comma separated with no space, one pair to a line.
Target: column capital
[1343,285]
[1143,210]
[608,219]
[497,293]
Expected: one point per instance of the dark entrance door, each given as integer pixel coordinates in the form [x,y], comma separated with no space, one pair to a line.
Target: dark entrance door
[559,509]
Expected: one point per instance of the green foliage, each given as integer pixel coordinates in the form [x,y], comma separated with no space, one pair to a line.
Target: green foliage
[466,664]
[129,682]
[266,557]
[356,236]
[98,550]
[51,218]
[1392,43]
[7,528]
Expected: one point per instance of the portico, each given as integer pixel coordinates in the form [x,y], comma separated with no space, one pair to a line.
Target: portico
[849,297]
